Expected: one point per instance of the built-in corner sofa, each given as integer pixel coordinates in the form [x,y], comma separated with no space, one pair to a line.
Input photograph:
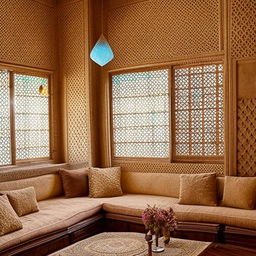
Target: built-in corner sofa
[61,221]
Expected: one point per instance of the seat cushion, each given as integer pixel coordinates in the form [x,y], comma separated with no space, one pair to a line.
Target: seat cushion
[54,214]
[133,205]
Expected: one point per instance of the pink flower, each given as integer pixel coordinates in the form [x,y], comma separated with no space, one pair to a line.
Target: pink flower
[156,219]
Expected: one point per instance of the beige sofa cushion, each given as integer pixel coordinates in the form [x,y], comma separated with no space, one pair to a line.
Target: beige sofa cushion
[9,221]
[75,182]
[133,205]
[54,214]
[239,192]
[52,186]
[162,184]
[23,201]
[105,182]
[198,189]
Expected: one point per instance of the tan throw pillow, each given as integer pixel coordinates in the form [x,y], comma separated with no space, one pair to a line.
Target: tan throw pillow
[105,182]
[198,189]
[9,221]
[75,182]
[23,201]
[239,192]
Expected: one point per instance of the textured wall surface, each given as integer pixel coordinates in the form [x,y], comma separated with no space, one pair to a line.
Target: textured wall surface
[156,167]
[73,46]
[155,31]
[243,47]
[142,32]
[246,135]
[243,28]
[27,33]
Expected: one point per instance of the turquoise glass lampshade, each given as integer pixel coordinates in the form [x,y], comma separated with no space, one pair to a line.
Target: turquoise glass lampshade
[102,52]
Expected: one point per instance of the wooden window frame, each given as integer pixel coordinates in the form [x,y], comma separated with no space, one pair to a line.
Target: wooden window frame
[154,159]
[172,157]
[12,70]
[190,158]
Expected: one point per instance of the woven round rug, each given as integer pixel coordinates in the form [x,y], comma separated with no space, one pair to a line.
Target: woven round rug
[129,244]
[116,244]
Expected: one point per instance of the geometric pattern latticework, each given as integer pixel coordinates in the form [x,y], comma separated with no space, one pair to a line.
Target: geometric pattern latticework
[140,103]
[157,31]
[243,28]
[163,167]
[73,44]
[31,118]
[28,33]
[246,137]
[5,141]
[199,114]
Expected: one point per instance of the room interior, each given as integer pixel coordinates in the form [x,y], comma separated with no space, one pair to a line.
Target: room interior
[158,112]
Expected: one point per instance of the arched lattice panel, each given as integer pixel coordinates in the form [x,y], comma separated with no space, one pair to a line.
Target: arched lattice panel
[186,28]
[159,167]
[28,33]
[246,135]
[73,38]
[243,28]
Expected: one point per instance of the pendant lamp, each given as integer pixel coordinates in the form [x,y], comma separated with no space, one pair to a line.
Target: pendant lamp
[102,52]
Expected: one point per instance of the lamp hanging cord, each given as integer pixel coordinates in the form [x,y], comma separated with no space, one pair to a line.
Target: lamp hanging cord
[102,16]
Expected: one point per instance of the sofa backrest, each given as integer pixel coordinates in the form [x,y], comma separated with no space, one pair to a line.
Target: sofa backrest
[162,184]
[46,186]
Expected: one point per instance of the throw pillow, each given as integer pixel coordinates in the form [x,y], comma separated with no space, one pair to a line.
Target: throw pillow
[200,189]
[23,201]
[9,221]
[105,182]
[239,192]
[75,182]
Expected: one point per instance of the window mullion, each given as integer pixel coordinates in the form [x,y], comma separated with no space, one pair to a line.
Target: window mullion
[12,118]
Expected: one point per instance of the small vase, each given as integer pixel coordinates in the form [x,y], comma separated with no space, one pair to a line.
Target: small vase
[167,236]
[157,248]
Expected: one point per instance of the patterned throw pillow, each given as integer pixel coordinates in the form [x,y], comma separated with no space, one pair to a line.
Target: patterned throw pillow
[9,221]
[23,201]
[105,182]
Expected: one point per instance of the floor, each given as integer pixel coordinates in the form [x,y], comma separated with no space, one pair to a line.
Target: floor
[228,250]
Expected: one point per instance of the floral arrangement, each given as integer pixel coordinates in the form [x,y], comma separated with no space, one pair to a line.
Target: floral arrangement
[158,220]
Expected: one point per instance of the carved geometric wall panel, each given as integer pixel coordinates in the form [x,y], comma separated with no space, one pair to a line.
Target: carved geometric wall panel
[186,28]
[73,38]
[246,137]
[158,167]
[47,2]
[28,35]
[243,28]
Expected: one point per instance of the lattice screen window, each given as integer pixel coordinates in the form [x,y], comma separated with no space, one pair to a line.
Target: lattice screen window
[199,114]
[31,117]
[5,137]
[140,105]
[24,118]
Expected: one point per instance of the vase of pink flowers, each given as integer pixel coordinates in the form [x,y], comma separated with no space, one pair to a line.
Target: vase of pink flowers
[159,221]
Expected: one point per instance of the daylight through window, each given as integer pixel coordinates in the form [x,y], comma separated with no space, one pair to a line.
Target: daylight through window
[24,135]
